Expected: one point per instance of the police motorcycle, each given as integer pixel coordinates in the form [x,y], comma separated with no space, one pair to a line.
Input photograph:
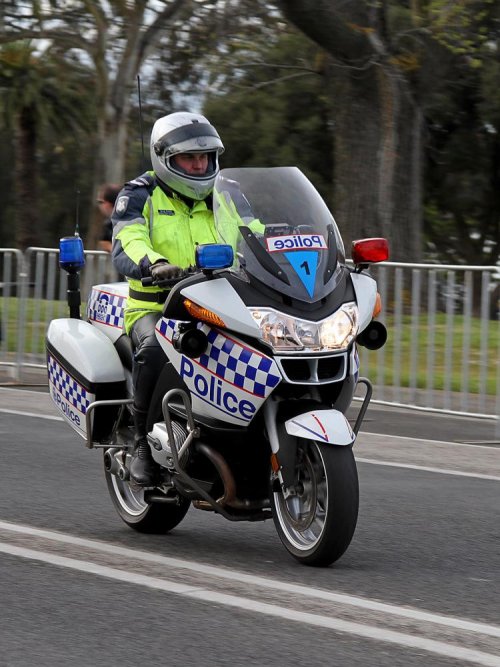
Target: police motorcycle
[248,418]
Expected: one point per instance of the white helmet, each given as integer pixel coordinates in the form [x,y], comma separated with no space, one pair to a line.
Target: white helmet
[185,132]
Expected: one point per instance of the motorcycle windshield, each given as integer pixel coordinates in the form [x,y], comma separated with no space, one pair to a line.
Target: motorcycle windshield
[281,231]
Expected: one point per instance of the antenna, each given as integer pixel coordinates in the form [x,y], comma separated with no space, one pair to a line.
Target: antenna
[72,260]
[77,214]
[140,121]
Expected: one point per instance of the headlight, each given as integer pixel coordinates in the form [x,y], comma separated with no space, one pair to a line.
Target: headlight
[338,331]
[288,334]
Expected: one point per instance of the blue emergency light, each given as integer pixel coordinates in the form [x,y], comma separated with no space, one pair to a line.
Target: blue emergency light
[71,254]
[211,256]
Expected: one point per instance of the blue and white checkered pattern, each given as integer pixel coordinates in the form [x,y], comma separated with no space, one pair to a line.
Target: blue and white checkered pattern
[106,308]
[231,361]
[167,328]
[239,365]
[67,386]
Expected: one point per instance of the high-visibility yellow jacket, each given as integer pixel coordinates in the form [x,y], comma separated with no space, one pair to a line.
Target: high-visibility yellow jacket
[151,222]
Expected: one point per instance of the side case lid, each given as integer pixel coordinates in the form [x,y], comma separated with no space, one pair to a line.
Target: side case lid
[86,349]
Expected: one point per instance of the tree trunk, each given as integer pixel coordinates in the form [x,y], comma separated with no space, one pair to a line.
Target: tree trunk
[113,92]
[377,188]
[110,160]
[27,214]
[378,125]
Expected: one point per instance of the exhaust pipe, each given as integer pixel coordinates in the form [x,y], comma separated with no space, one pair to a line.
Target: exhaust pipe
[229,498]
[225,473]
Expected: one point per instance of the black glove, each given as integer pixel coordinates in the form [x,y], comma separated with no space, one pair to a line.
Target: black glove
[165,271]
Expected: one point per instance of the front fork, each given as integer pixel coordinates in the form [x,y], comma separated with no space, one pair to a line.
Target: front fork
[283,447]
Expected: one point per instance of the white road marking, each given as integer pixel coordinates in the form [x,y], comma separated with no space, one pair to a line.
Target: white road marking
[24,391]
[441,471]
[426,441]
[234,575]
[254,606]
[32,414]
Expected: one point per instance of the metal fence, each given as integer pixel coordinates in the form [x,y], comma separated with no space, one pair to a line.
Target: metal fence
[32,293]
[443,348]
[442,352]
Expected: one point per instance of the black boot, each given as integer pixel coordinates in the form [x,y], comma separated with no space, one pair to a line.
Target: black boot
[144,470]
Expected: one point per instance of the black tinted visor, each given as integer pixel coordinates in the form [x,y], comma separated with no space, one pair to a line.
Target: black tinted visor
[185,133]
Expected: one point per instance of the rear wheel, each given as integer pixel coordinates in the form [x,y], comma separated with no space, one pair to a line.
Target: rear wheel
[140,515]
[316,524]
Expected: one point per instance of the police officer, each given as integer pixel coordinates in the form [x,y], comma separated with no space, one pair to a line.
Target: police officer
[158,220]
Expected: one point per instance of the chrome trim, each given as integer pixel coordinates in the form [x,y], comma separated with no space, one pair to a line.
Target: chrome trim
[89,421]
[313,366]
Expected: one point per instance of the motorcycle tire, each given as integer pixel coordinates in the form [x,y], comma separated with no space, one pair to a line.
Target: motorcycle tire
[152,518]
[317,524]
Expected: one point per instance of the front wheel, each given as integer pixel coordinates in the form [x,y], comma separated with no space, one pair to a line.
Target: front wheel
[317,523]
[153,518]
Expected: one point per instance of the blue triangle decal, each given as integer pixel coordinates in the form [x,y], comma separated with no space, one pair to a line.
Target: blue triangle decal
[304,264]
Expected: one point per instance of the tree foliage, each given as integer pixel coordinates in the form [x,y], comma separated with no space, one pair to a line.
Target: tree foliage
[39,98]
[272,109]
[391,108]
[462,175]
[119,40]
[115,39]
[398,68]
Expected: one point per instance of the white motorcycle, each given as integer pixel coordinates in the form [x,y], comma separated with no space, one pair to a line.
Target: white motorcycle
[261,364]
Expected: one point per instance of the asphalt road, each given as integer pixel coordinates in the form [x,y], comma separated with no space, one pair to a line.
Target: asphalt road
[219,593]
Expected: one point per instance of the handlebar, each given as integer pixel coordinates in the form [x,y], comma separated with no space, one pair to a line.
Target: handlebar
[171,282]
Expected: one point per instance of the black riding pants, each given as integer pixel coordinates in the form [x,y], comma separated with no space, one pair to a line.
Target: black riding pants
[149,360]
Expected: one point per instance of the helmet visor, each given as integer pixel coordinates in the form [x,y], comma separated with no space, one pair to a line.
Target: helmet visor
[199,135]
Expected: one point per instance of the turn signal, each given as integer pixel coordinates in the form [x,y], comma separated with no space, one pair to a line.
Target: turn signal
[203,314]
[378,305]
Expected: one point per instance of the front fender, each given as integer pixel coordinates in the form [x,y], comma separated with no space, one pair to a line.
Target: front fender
[329,426]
